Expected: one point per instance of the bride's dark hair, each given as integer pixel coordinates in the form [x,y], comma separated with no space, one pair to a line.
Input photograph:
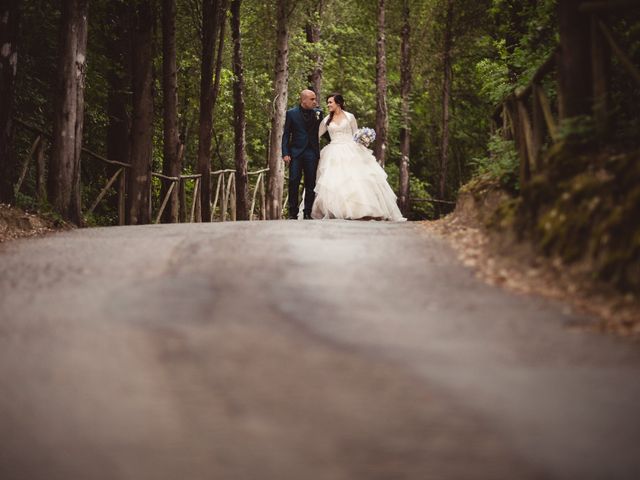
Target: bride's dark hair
[339,99]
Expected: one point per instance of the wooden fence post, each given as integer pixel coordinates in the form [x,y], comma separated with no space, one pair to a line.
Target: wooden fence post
[104,191]
[182,197]
[263,200]
[196,196]
[27,161]
[233,197]
[538,128]
[198,200]
[41,181]
[217,197]
[122,189]
[544,104]
[507,126]
[223,198]
[519,137]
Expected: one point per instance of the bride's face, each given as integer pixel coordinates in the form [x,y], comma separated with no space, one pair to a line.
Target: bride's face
[332,105]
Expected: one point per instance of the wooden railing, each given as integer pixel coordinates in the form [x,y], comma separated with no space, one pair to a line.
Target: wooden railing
[528,117]
[223,204]
[513,120]
[225,195]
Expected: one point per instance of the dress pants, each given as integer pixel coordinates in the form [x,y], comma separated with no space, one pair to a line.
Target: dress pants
[306,163]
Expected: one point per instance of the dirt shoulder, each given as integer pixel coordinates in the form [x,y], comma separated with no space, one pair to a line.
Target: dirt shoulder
[16,223]
[499,259]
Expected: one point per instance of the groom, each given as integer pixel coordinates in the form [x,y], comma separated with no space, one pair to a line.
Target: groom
[301,151]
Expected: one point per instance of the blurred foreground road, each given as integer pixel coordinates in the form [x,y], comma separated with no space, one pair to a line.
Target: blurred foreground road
[296,351]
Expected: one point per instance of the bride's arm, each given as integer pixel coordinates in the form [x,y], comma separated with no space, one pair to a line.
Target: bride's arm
[323,127]
[353,122]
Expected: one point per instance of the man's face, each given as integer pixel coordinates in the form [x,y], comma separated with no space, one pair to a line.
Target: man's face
[308,101]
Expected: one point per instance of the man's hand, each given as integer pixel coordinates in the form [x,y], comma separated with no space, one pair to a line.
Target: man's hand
[287,159]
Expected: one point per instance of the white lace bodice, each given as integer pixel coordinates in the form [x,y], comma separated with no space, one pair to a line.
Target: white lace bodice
[341,131]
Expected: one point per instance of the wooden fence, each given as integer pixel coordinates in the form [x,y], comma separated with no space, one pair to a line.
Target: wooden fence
[528,117]
[223,205]
[224,202]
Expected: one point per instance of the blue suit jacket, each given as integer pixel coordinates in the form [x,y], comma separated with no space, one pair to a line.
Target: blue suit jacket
[296,138]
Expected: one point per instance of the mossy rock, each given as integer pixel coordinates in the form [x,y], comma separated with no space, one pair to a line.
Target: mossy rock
[505,215]
[583,207]
[480,199]
[587,208]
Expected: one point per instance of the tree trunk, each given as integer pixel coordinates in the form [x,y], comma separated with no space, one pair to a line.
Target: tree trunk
[382,118]
[281,81]
[119,121]
[312,29]
[142,121]
[117,41]
[213,20]
[64,170]
[574,67]
[219,55]
[119,81]
[446,97]
[171,162]
[8,68]
[239,121]
[405,130]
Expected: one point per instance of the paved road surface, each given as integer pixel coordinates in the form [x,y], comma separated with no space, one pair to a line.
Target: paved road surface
[296,351]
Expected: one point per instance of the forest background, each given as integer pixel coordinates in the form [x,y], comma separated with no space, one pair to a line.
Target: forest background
[491,46]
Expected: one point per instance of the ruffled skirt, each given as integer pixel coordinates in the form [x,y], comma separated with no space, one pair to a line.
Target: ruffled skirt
[352,185]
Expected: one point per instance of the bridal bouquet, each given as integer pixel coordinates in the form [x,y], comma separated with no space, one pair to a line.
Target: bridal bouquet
[364,136]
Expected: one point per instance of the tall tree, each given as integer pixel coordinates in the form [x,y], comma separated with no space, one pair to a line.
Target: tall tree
[9,22]
[382,116]
[239,120]
[213,22]
[280,84]
[447,79]
[142,117]
[312,29]
[574,66]
[405,91]
[118,52]
[64,169]
[116,36]
[171,162]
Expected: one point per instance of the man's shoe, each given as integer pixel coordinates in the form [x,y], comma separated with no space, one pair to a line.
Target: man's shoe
[307,216]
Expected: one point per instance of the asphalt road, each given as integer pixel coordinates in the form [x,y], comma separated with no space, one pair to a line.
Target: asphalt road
[296,351]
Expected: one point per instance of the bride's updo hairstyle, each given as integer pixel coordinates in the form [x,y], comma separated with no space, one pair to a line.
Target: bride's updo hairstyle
[339,99]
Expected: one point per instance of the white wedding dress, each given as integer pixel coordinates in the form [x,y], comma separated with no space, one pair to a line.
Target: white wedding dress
[350,183]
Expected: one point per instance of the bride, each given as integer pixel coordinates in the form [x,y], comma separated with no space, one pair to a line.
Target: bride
[350,182]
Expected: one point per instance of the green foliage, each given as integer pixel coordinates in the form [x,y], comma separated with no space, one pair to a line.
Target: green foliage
[29,203]
[520,38]
[502,163]
[421,204]
[494,73]
[524,34]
